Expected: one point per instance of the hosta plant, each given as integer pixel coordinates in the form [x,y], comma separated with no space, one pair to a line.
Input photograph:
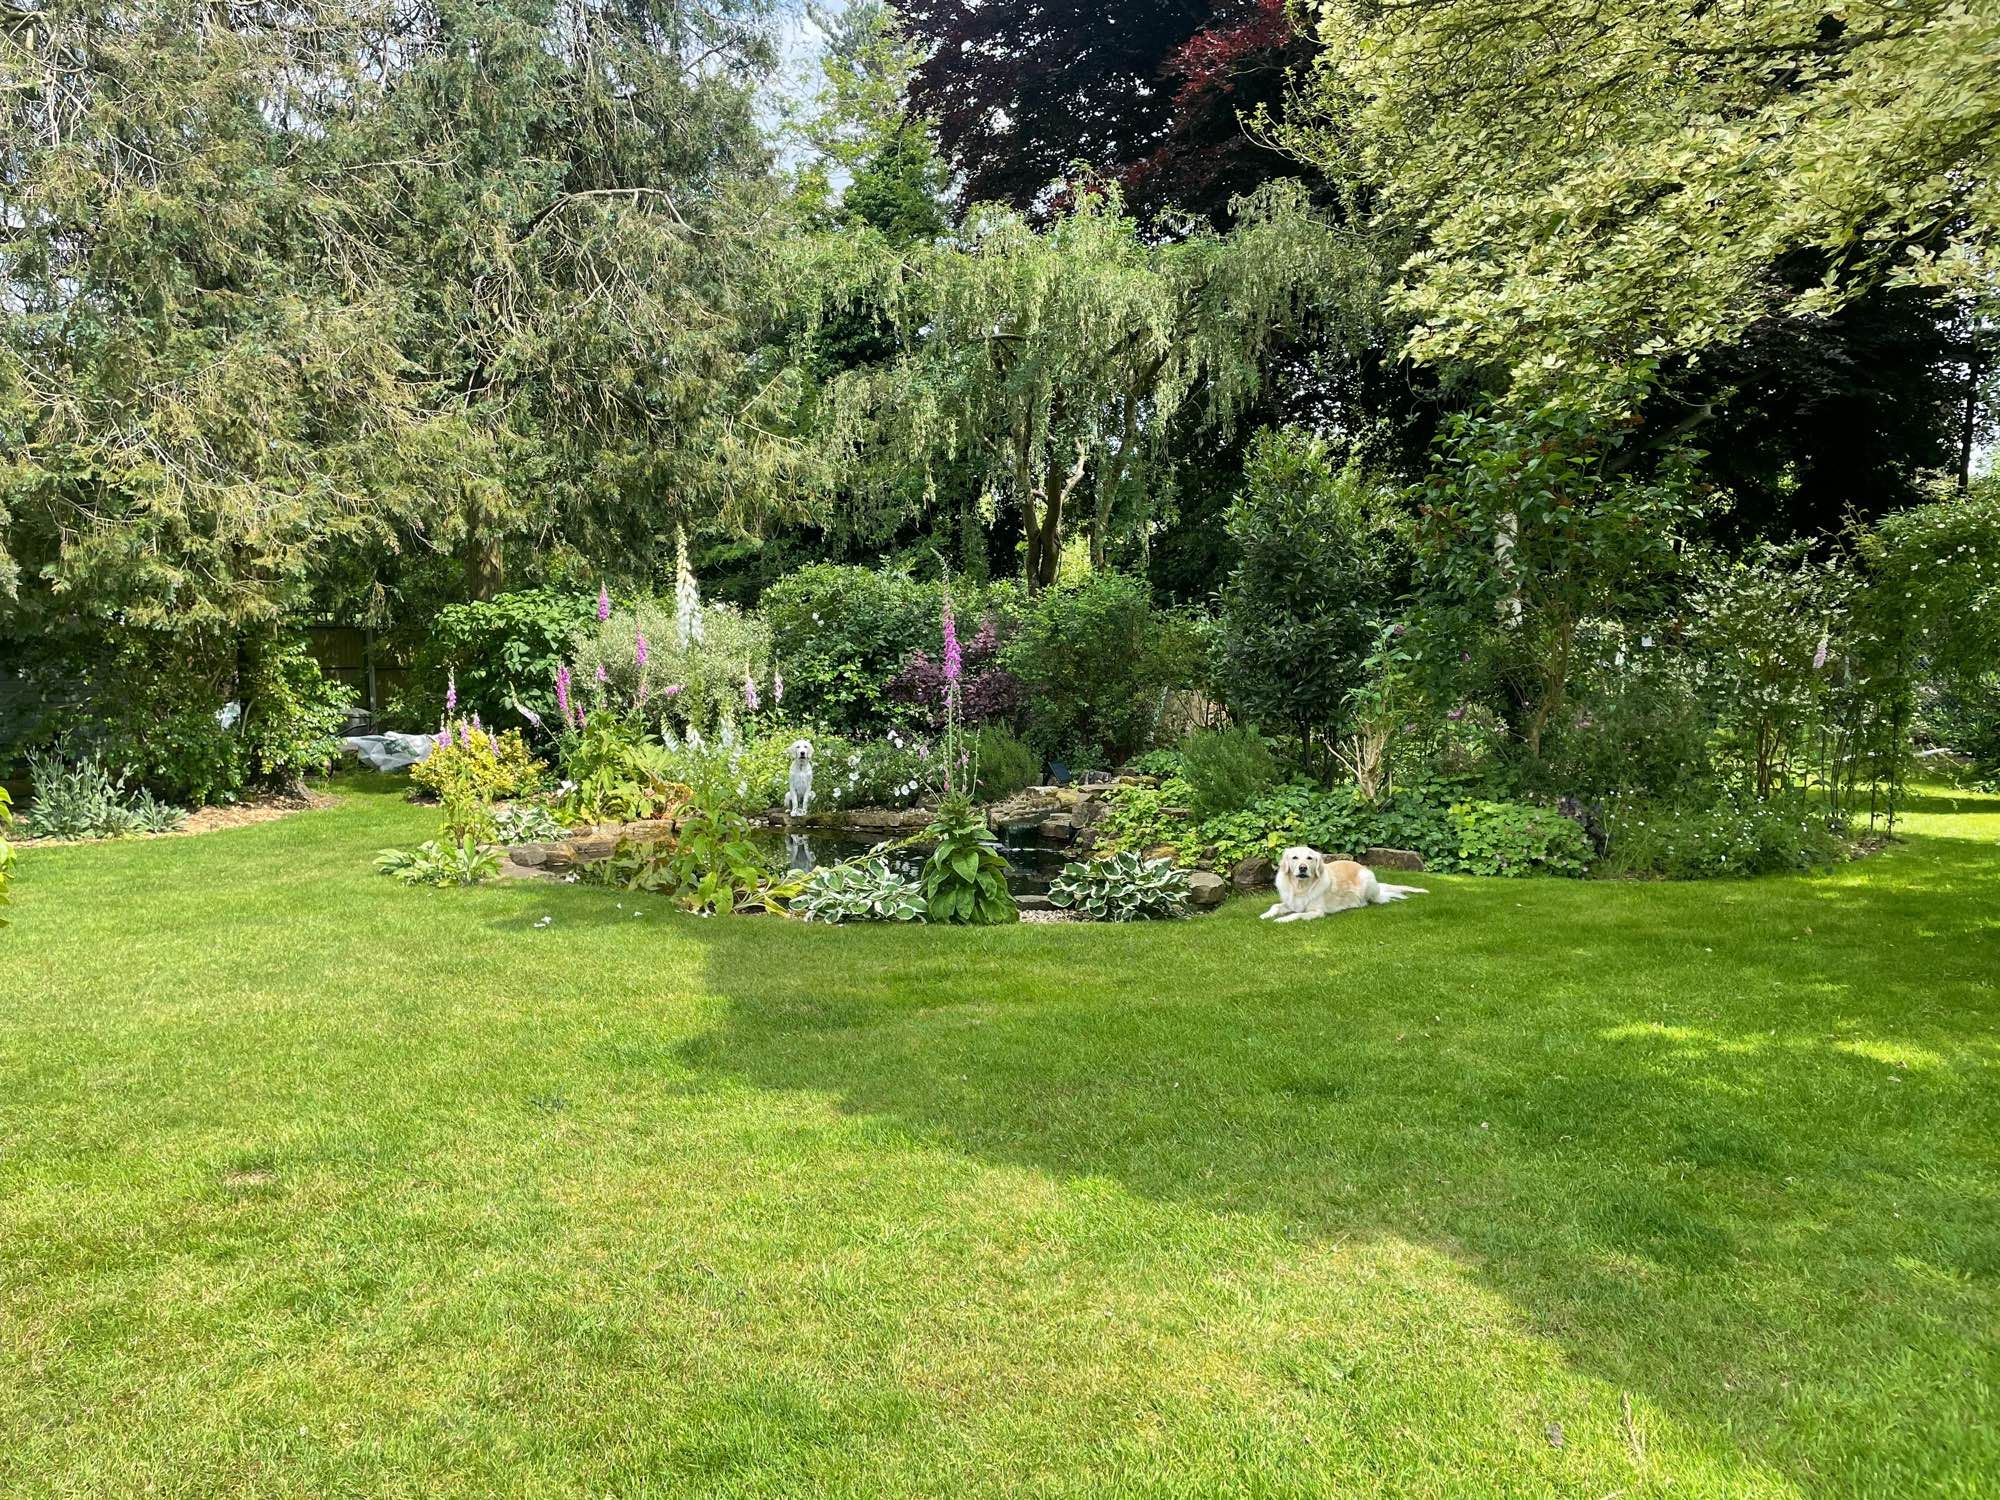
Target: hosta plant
[1124,887]
[439,863]
[865,890]
[965,878]
[525,823]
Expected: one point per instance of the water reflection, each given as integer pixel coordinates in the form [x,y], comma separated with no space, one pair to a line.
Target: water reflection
[1031,863]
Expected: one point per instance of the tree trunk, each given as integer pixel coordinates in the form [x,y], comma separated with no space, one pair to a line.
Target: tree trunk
[1975,370]
[1031,516]
[485,563]
[1052,517]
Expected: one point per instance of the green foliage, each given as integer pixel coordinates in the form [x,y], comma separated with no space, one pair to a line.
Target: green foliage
[840,634]
[1962,714]
[503,653]
[898,189]
[751,774]
[81,799]
[151,814]
[1661,840]
[468,818]
[1721,142]
[693,684]
[1471,837]
[1510,838]
[197,717]
[6,851]
[1531,529]
[292,713]
[525,823]
[1005,762]
[613,773]
[728,771]
[897,770]
[1226,769]
[1313,576]
[710,867]
[1165,764]
[1098,658]
[449,863]
[1641,720]
[285,296]
[1049,366]
[1936,569]
[482,764]
[1123,887]
[1769,628]
[965,877]
[863,890]
[1145,817]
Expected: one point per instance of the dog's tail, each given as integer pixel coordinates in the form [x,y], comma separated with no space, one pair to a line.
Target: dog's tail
[1386,893]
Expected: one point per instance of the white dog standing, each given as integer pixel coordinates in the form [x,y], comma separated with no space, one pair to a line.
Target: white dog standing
[799,788]
[1311,886]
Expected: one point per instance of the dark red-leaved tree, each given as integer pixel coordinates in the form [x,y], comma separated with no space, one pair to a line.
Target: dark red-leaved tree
[1148,93]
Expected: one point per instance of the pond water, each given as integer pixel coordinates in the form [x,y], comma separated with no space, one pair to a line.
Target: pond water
[1031,862]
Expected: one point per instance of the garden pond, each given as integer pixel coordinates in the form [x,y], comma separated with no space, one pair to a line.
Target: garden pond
[1032,861]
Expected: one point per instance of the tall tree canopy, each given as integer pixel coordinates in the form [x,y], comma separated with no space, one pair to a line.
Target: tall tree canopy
[1051,365]
[1149,95]
[1590,186]
[285,283]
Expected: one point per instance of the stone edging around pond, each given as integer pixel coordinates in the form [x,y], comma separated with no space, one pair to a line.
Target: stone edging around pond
[1065,816]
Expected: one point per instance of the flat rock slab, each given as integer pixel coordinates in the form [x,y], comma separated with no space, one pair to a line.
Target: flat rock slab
[1206,888]
[1392,859]
[512,869]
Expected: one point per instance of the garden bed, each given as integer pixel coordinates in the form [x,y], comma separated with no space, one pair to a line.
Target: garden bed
[263,808]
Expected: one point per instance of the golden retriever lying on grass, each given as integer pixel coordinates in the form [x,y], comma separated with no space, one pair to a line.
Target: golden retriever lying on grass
[1312,886]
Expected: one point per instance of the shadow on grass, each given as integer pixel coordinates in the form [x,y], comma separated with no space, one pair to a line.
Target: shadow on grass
[1728,1145]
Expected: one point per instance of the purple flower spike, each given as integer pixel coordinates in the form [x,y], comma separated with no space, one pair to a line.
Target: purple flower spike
[444,737]
[602,675]
[603,604]
[777,686]
[639,652]
[672,690]
[562,693]
[451,693]
[954,661]
[749,691]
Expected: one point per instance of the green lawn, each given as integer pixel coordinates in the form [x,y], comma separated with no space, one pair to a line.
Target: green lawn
[314,1185]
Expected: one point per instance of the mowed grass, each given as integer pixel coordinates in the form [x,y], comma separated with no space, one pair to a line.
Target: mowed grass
[314,1185]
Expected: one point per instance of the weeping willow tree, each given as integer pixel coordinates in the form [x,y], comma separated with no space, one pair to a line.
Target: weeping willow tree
[1050,364]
